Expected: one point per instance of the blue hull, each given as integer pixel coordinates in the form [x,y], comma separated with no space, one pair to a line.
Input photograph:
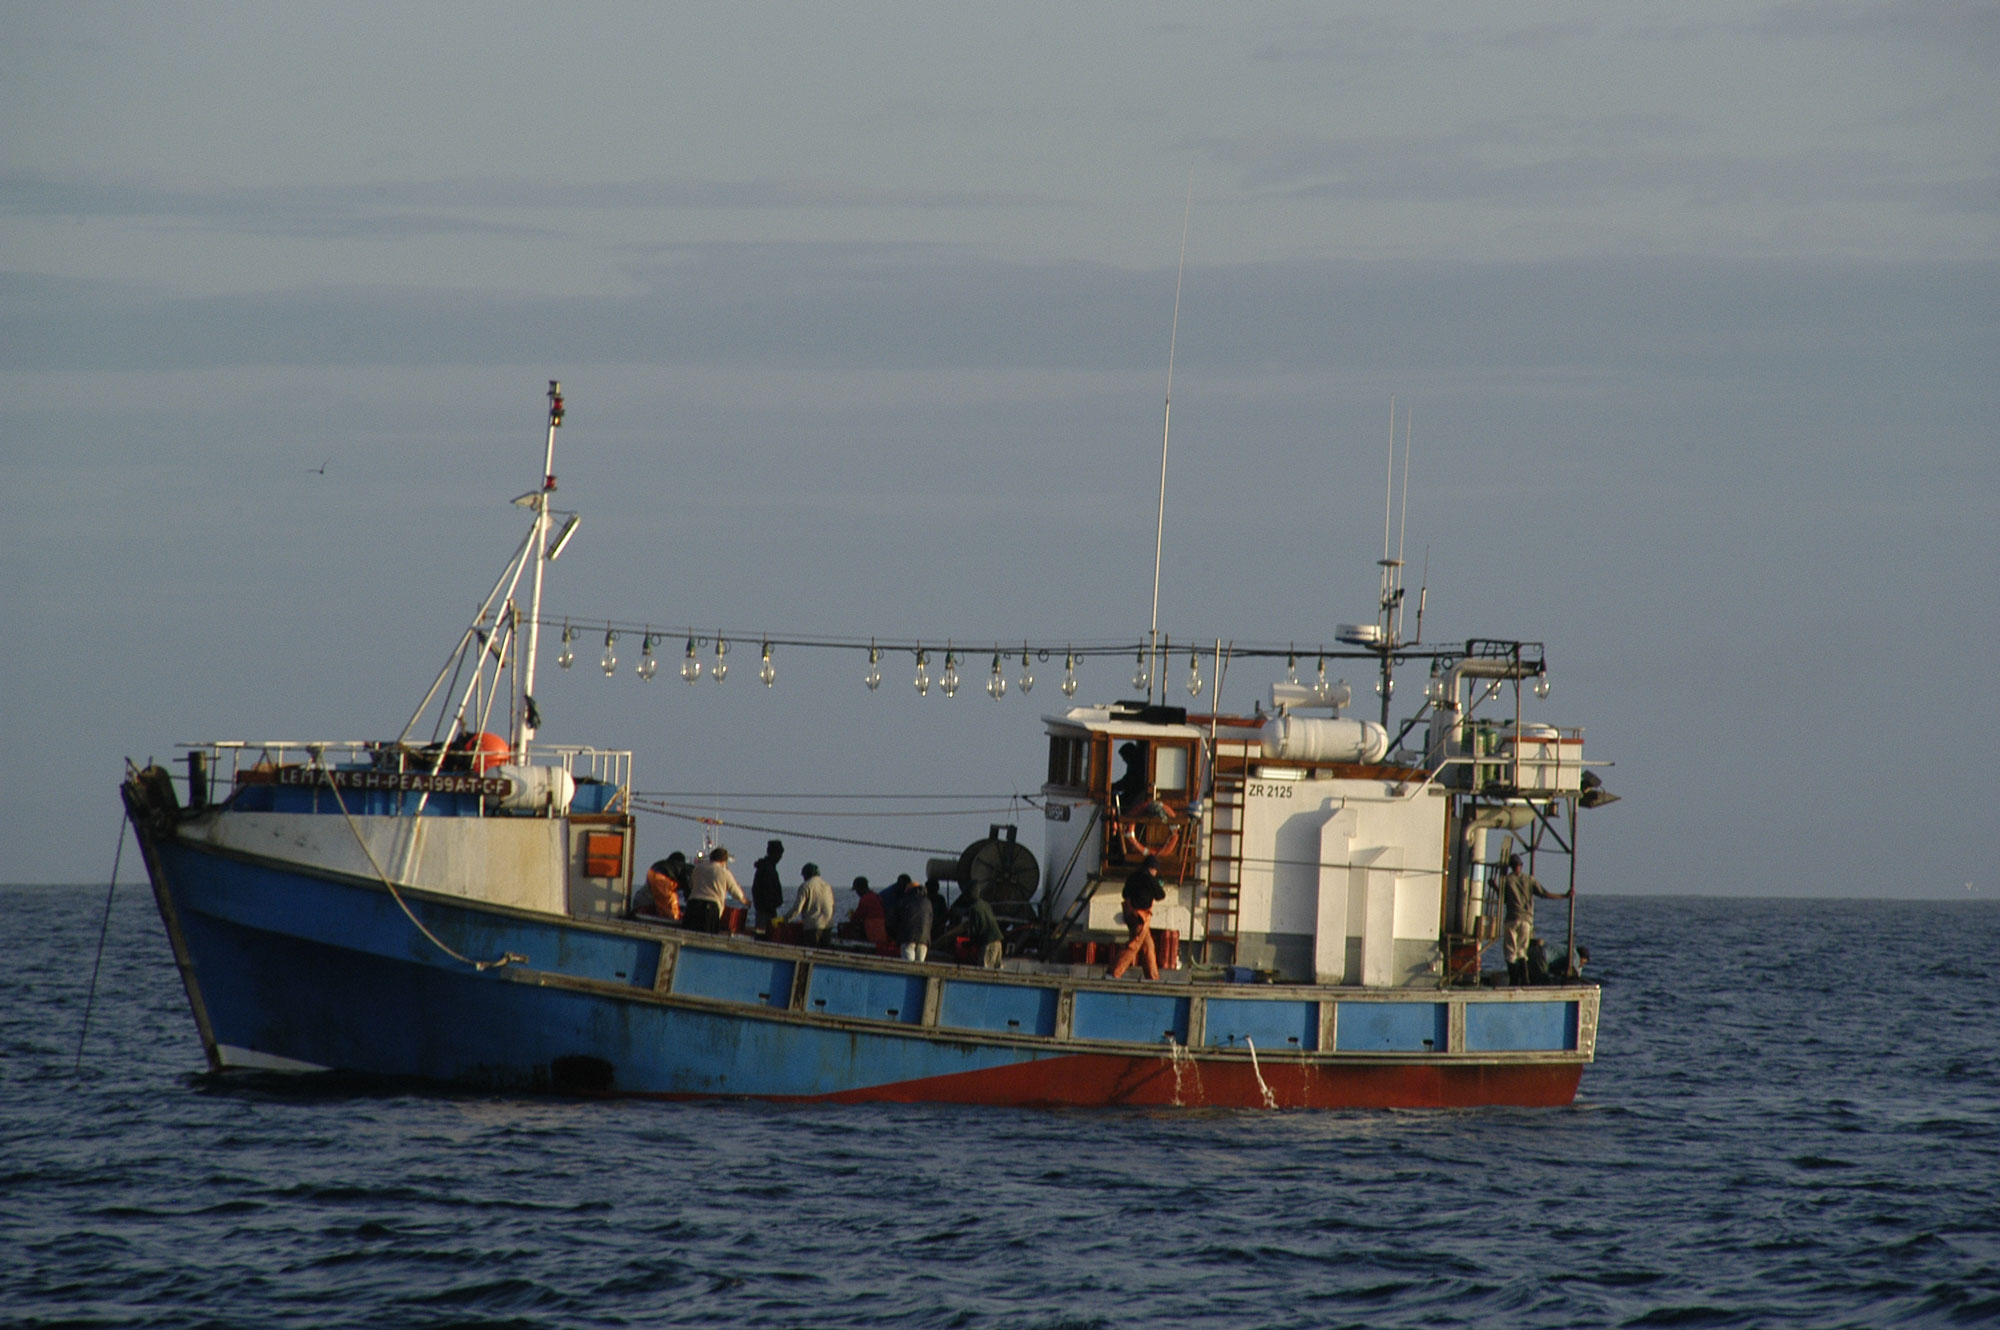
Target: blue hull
[290,968]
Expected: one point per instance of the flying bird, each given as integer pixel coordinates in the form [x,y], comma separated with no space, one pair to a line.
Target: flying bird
[319,470]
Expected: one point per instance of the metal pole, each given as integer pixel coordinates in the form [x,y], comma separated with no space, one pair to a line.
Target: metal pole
[525,731]
[1572,891]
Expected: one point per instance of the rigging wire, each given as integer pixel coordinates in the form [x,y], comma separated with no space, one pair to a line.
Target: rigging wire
[639,807]
[832,812]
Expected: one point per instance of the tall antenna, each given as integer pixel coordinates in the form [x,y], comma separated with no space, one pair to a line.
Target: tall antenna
[1389,480]
[1166,429]
[1403,522]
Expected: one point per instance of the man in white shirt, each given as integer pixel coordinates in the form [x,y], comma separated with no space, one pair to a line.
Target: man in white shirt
[711,887]
[812,911]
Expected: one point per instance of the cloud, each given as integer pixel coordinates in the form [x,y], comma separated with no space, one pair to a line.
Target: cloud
[1536,162]
[886,309]
[485,205]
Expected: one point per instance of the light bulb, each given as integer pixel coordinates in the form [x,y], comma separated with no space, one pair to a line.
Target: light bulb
[721,669]
[949,679]
[1194,675]
[1542,685]
[1027,673]
[767,671]
[874,676]
[1319,685]
[1142,678]
[1434,690]
[647,666]
[568,654]
[923,679]
[690,667]
[1069,674]
[1292,667]
[610,661]
[1385,685]
[996,683]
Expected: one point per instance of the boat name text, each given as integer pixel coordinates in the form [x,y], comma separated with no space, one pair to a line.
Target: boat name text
[423,782]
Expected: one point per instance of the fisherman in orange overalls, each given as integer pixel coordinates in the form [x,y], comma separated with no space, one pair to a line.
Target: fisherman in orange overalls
[1142,889]
[664,881]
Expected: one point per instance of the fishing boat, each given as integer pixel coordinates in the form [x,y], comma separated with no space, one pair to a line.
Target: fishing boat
[453,906]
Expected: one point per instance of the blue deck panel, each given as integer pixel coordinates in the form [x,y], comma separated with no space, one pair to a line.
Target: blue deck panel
[1003,1008]
[1522,1027]
[1138,1018]
[836,990]
[1390,1027]
[729,977]
[1265,1024]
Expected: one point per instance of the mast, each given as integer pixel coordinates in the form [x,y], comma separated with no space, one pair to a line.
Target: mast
[1166,429]
[528,720]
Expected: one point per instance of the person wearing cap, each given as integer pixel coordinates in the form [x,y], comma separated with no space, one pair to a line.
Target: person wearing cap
[813,910]
[767,890]
[709,889]
[870,918]
[1142,890]
[1559,972]
[1518,890]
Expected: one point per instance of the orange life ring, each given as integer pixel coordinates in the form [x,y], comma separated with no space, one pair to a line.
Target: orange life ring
[1137,846]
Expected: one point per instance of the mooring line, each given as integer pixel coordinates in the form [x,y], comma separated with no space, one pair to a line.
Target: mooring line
[103,930]
[506,957]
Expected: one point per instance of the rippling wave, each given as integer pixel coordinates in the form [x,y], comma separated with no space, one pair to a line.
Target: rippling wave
[1794,1120]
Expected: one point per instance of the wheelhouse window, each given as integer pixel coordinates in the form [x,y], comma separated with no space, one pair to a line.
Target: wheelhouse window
[1069,760]
[1170,769]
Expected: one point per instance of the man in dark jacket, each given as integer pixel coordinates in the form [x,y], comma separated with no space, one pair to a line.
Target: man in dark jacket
[912,919]
[1142,890]
[984,929]
[767,890]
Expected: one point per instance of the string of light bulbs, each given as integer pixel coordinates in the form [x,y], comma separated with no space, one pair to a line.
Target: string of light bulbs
[706,653]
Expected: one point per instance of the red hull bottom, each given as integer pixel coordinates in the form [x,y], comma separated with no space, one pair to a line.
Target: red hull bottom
[1092,1080]
[1100,1080]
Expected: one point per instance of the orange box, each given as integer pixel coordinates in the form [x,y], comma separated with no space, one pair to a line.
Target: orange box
[603,853]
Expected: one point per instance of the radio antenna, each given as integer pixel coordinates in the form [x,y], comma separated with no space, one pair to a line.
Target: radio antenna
[1389,480]
[1166,429]
[1403,522]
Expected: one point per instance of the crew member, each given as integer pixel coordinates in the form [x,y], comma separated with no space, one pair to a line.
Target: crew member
[1142,890]
[1518,890]
[767,891]
[664,881]
[710,887]
[813,910]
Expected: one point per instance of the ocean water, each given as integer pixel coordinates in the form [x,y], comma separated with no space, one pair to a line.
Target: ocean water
[1794,1120]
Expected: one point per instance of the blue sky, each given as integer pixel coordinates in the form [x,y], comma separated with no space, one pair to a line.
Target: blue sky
[863,314]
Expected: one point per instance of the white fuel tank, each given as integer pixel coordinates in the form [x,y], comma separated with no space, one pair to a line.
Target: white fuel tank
[1304,739]
[537,788]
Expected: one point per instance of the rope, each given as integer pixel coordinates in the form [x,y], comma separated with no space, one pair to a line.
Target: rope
[794,831]
[506,958]
[103,929]
[838,812]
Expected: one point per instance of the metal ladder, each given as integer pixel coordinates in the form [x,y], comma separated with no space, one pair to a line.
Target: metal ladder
[1223,890]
